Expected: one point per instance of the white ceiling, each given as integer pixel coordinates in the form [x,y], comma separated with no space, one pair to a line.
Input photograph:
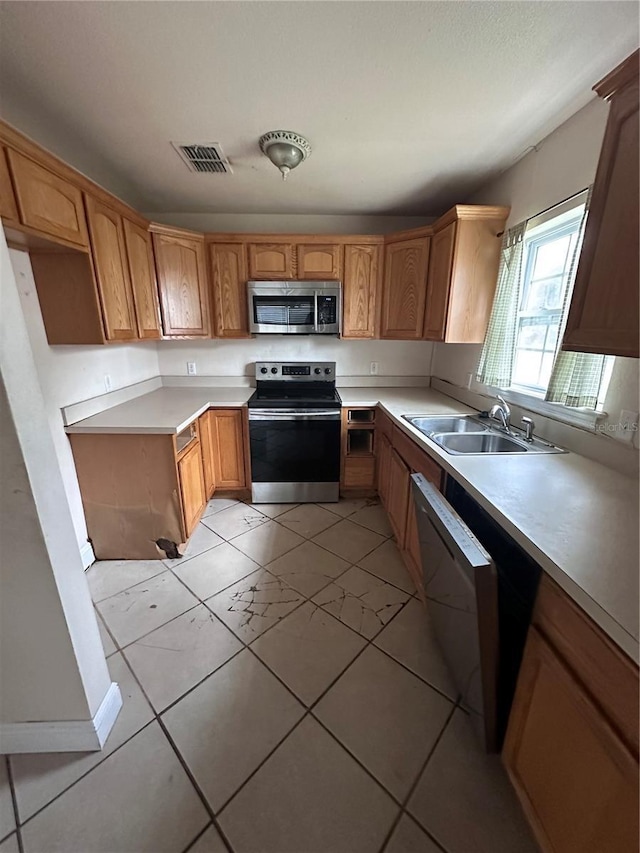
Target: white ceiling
[409,106]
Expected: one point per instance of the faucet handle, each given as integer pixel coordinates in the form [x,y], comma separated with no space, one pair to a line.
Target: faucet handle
[529,427]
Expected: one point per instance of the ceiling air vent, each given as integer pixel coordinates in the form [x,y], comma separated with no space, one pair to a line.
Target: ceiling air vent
[204,158]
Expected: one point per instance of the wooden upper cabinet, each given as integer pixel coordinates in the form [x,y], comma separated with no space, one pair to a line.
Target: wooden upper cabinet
[191,486]
[229,289]
[404,291]
[438,282]
[228,442]
[112,271]
[316,261]
[270,261]
[8,206]
[143,279]
[47,202]
[182,282]
[360,290]
[603,315]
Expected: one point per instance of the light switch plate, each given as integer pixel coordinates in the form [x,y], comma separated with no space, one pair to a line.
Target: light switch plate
[107,382]
[191,368]
[373,368]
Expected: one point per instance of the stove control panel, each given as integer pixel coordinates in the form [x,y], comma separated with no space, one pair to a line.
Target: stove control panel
[296,371]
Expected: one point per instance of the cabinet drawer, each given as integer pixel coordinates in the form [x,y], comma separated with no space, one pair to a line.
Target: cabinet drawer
[47,202]
[360,472]
[416,458]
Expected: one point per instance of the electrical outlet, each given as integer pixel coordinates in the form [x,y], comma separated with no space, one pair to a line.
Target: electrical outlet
[373,368]
[191,368]
[628,425]
[107,382]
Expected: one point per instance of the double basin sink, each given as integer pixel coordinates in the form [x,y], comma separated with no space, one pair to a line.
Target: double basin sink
[466,434]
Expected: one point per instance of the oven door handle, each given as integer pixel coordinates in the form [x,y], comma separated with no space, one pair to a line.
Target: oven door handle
[292,415]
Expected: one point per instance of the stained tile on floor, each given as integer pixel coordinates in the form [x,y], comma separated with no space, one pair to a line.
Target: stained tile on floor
[347,506]
[109,577]
[39,777]
[176,656]
[229,724]
[307,519]
[310,795]
[139,798]
[308,649]
[362,601]
[254,604]
[386,562]
[217,505]
[374,517]
[10,844]
[348,540]
[273,510]
[410,639]
[214,570]
[235,520]
[267,542]
[308,568]
[403,715]
[138,610]
[464,798]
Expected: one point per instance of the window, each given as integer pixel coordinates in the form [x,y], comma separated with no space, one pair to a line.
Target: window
[521,351]
[548,253]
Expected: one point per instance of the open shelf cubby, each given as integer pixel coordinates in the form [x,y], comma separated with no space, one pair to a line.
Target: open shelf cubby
[359,442]
[361,416]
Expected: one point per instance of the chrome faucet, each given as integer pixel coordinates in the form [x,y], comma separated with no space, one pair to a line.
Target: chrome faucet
[501,412]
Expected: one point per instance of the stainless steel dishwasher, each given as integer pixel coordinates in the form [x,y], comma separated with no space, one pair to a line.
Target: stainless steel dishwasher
[460,582]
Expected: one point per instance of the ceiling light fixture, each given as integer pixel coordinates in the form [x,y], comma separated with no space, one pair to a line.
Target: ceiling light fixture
[285,149]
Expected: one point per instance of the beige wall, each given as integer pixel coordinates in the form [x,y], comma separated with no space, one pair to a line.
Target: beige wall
[52,662]
[563,164]
[282,223]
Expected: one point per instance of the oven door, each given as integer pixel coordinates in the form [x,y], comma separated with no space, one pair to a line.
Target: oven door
[295,455]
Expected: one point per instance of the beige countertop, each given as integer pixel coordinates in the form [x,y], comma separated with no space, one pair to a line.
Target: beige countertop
[575,517]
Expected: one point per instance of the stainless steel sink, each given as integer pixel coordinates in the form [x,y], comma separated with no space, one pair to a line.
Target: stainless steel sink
[483,442]
[461,423]
[466,434]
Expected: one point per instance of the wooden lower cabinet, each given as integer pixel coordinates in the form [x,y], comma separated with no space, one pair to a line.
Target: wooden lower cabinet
[206,444]
[383,452]
[229,442]
[192,486]
[398,496]
[569,752]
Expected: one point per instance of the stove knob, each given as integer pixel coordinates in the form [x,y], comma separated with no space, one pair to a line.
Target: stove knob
[327,370]
[263,370]
[317,370]
[274,369]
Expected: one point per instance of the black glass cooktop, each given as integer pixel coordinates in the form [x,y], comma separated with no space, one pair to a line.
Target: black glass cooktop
[285,394]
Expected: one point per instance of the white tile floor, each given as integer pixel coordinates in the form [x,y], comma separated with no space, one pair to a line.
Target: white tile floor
[282,694]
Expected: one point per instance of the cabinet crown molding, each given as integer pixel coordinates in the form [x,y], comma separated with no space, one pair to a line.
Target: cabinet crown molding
[622,75]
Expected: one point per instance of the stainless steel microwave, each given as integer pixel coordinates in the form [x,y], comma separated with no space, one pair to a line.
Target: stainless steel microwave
[295,307]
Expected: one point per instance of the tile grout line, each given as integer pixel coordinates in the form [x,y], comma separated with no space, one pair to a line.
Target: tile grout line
[14,803]
[405,801]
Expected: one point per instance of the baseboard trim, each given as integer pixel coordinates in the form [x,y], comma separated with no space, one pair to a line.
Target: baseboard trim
[64,736]
[88,557]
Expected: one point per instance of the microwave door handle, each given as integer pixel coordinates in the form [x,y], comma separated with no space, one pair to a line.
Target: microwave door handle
[315,311]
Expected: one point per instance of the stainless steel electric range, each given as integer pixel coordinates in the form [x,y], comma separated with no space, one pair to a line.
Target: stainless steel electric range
[294,432]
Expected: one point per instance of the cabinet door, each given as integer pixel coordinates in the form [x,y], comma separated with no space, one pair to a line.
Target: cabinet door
[360,291]
[227,431]
[112,271]
[143,279]
[270,261]
[603,316]
[405,285]
[48,203]
[182,283]
[575,778]
[398,496]
[411,554]
[229,289]
[8,207]
[438,282]
[383,451]
[206,446]
[191,487]
[320,262]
